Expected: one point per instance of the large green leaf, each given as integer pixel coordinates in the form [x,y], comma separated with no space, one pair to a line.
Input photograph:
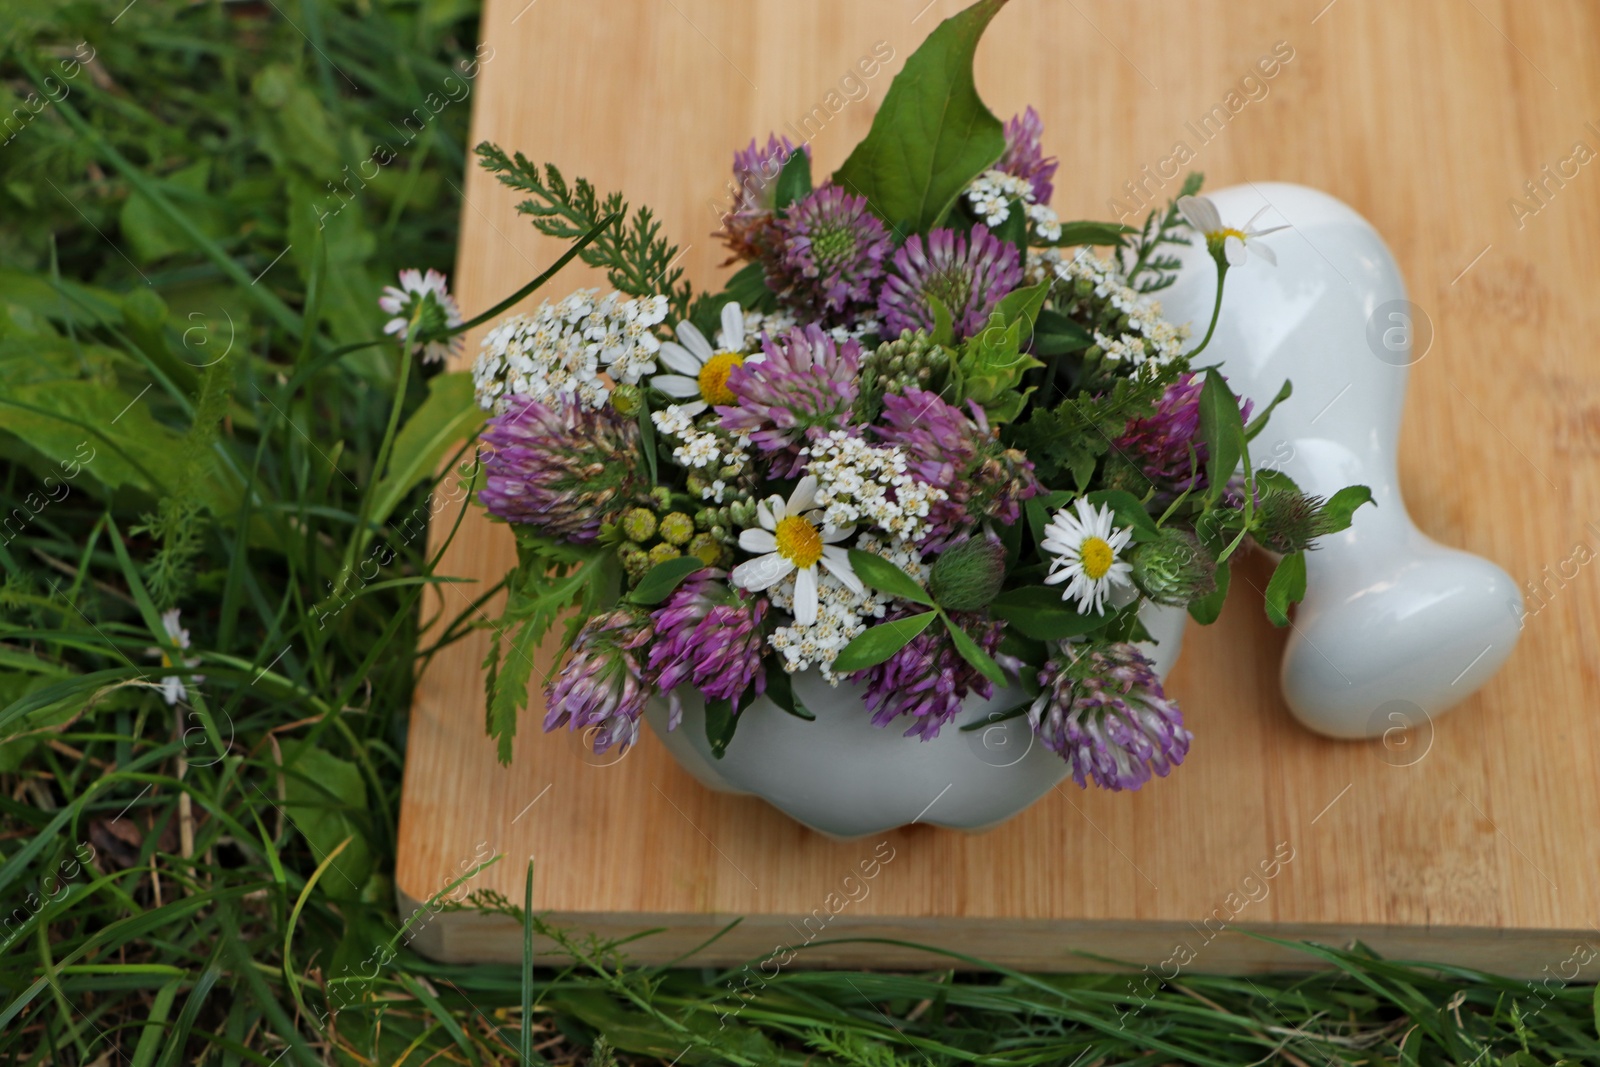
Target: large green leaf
[435,430]
[1039,612]
[876,644]
[885,577]
[933,133]
[1288,586]
[323,795]
[1221,429]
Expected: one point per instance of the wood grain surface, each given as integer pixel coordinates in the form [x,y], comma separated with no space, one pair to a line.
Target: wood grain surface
[1473,841]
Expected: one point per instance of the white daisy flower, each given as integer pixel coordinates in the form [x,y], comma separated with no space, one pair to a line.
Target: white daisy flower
[793,540]
[424,296]
[1086,547]
[702,371]
[1203,216]
[172,687]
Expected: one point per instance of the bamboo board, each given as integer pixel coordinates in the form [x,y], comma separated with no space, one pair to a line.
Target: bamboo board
[1472,842]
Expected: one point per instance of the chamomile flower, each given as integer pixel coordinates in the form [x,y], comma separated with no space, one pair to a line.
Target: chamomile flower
[1086,548]
[701,378]
[1229,243]
[793,540]
[172,687]
[426,299]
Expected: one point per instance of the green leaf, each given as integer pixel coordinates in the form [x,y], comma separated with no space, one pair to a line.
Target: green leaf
[1205,610]
[749,287]
[1037,611]
[878,643]
[659,582]
[1014,231]
[1259,423]
[1221,429]
[324,799]
[551,580]
[721,722]
[933,133]
[973,653]
[1288,586]
[1090,233]
[448,417]
[884,576]
[794,180]
[1023,305]
[1274,479]
[1054,334]
[992,362]
[780,690]
[1339,511]
[508,670]
[1128,512]
[944,329]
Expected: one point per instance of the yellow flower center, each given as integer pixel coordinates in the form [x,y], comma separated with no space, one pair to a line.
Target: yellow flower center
[1227,232]
[798,541]
[714,377]
[166,660]
[1095,557]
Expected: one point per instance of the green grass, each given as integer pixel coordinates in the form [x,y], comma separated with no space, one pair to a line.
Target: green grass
[190,417]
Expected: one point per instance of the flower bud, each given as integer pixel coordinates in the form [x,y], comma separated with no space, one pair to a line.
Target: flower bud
[660,553]
[1286,521]
[1173,569]
[707,548]
[626,399]
[676,528]
[638,524]
[968,575]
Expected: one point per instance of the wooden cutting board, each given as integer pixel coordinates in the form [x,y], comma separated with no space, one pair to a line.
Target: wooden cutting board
[1473,842]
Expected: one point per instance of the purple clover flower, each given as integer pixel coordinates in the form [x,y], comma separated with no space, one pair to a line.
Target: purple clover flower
[707,642]
[1103,711]
[969,273]
[1024,155]
[928,679]
[567,469]
[960,455]
[603,684]
[747,226]
[1158,444]
[829,256]
[804,382]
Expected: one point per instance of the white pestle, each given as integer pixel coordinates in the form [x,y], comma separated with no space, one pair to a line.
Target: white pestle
[1395,627]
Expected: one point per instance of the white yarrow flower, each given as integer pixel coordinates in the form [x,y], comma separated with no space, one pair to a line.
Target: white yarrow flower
[793,540]
[1202,215]
[1086,548]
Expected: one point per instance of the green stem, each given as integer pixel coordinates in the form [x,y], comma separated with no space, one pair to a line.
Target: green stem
[358,536]
[566,257]
[1216,310]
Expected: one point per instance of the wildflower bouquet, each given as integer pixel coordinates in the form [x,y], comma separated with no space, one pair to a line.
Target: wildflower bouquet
[925,443]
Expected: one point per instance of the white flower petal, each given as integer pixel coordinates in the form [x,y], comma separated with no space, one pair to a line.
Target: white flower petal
[758,541]
[832,535]
[761,573]
[694,341]
[804,496]
[838,564]
[1200,213]
[676,385]
[681,360]
[733,326]
[1233,248]
[1264,252]
[805,596]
